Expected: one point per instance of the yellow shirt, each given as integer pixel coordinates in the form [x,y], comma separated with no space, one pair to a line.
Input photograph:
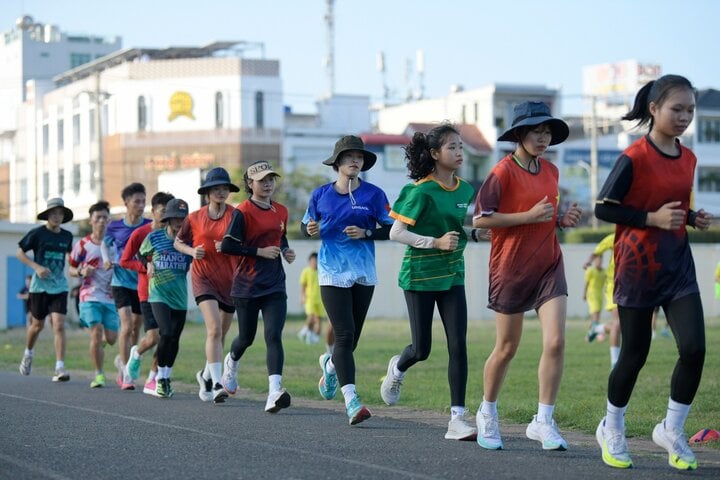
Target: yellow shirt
[310,284]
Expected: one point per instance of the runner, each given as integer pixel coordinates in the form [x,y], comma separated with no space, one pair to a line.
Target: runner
[130,260]
[97,309]
[647,195]
[429,217]
[519,202]
[345,214]
[257,234]
[50,245]
[312,303]
[167,270]
[212,274]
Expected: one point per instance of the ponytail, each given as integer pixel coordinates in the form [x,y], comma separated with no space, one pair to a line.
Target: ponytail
[655,91]
[420,162]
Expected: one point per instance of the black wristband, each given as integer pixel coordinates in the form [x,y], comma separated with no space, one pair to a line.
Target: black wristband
[473,234]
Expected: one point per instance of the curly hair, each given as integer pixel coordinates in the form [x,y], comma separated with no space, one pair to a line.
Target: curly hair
[420,162]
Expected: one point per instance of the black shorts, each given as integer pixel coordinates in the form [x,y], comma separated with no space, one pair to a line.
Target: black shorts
[223,306]
[42,303]
[126,297]
[149,321]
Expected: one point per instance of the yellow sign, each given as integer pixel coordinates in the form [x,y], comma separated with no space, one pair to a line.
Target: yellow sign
[181,104]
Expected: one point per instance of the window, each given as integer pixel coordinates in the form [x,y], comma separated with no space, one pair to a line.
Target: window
[142,114]
[709,130]
[61,182]
[77,59]
[60,135]
[46,139]
[76,179]
[709,179]
[259,110]
[76,129]
[46,185]
[219,113]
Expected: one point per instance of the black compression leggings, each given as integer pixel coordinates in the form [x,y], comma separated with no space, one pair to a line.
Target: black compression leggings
[686,320]
[346,309]
[171,323]
[274,311]
[453,313]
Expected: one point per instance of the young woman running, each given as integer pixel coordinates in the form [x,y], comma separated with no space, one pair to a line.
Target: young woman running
[647,195]
[518,201]
[212,274]
[346,214]
[429,217]
[257,234]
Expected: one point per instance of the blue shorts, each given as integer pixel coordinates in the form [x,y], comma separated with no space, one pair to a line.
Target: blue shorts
[92,313]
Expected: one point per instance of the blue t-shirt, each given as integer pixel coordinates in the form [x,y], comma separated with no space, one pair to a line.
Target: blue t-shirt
[342,261]
[118,233]
[49,250]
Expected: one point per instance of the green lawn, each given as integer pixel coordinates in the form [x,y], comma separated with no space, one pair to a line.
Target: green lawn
[580,404]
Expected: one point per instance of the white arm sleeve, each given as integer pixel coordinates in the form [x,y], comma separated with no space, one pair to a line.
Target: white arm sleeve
[400,233]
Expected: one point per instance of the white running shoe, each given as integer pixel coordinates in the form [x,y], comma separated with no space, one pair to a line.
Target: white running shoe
[390,388]
[276,401]
[546,433]
[675,442]
[60,375]
[26,364]
[488,431]
[229,378]
[205,393]
[219,394]
[459,428]
[614,447]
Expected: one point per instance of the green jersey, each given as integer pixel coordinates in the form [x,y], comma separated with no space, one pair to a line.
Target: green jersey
[168,284]
[431,209]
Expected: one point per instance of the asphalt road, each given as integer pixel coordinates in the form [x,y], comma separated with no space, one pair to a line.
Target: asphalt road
[68,431]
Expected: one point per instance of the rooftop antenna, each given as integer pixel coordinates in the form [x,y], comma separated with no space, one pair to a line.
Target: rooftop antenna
[383,76]
[330,53]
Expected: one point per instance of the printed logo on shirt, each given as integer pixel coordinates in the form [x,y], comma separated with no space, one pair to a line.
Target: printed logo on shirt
[462,205]
[360,207]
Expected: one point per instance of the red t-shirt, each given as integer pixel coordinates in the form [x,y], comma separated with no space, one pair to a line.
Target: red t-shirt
[129,259]
[213,274]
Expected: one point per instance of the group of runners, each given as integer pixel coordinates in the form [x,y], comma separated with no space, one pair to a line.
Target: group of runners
[236,260]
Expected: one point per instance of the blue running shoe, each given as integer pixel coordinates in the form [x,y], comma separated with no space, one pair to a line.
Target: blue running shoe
[328,382]
[133,366]
[357,412]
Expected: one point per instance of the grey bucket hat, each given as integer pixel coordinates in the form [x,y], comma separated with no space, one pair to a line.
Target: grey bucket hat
[56,203]
[351,142]
[535,113]
[175,208]
[215,177]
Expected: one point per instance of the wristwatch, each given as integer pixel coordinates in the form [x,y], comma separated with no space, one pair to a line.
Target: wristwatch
[368,233]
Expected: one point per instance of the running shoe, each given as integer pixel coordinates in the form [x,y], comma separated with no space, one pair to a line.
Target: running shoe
[614,446]
[357,412]
[206,387]
[276,401]
[592,333]
[150,387]
[229,378]
[546,433]
[218,394]
[119,365]
[127,384]
[488,431]
[675,442]
[26,364]
[99,381]
[60,375]
[390,388]
[164,389]
[459,428]
[328,383]
[133,366]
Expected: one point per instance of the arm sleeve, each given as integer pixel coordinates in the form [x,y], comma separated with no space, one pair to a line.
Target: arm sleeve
[232,242]
[400,233]
[129,258]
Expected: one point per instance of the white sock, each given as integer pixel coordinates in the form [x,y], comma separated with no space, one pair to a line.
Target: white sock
[330,366]
[152,375]
[456,411]
[163,372]
[329,349]
[275,383]
[676,415]
[614,355]
[134,354]
[615,417]
[169,372]
[489,408]
[215,369]
[29,352]
[348,392]
[545,412]
[59,364]
[206,375]
[303,331]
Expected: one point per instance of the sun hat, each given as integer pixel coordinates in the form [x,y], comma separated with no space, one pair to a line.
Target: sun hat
[215,177]
[175,208]
[534,113]
[348,143]
[56,203]
[260,170]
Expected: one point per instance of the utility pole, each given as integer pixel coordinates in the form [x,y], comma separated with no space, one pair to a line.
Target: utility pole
[593,161]
[330,54]
[98,136]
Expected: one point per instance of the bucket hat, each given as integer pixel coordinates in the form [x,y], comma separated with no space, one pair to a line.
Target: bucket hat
[175,208]
[56,203]
[260,170]
[351,142]
[215,177]
[534,113]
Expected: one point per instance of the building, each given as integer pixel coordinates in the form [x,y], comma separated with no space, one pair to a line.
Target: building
[705,131]
[131,115]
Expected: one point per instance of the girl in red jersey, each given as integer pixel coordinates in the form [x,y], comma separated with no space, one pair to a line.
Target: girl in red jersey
[212,274]
[518,201]
[647,195]
[257,234]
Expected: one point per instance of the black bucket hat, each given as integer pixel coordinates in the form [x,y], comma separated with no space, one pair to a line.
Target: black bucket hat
[56,203]
[351,142]
[175,208]
[534,113]
[215,177]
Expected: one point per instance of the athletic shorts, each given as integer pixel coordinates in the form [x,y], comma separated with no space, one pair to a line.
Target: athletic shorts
[594,303]
[315,308]
[126,297]
[149,321]
[43,303]
[223,306]
[92,313]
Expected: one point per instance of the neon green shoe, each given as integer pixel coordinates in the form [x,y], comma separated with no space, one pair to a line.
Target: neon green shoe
[99,381]
[675,442]
[614,446]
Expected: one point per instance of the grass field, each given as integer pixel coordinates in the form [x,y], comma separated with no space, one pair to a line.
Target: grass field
[580,404]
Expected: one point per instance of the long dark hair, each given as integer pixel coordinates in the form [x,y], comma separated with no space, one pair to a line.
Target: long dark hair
[420,163]
[657,92]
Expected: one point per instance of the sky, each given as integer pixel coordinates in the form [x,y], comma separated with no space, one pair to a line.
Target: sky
[471,43]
